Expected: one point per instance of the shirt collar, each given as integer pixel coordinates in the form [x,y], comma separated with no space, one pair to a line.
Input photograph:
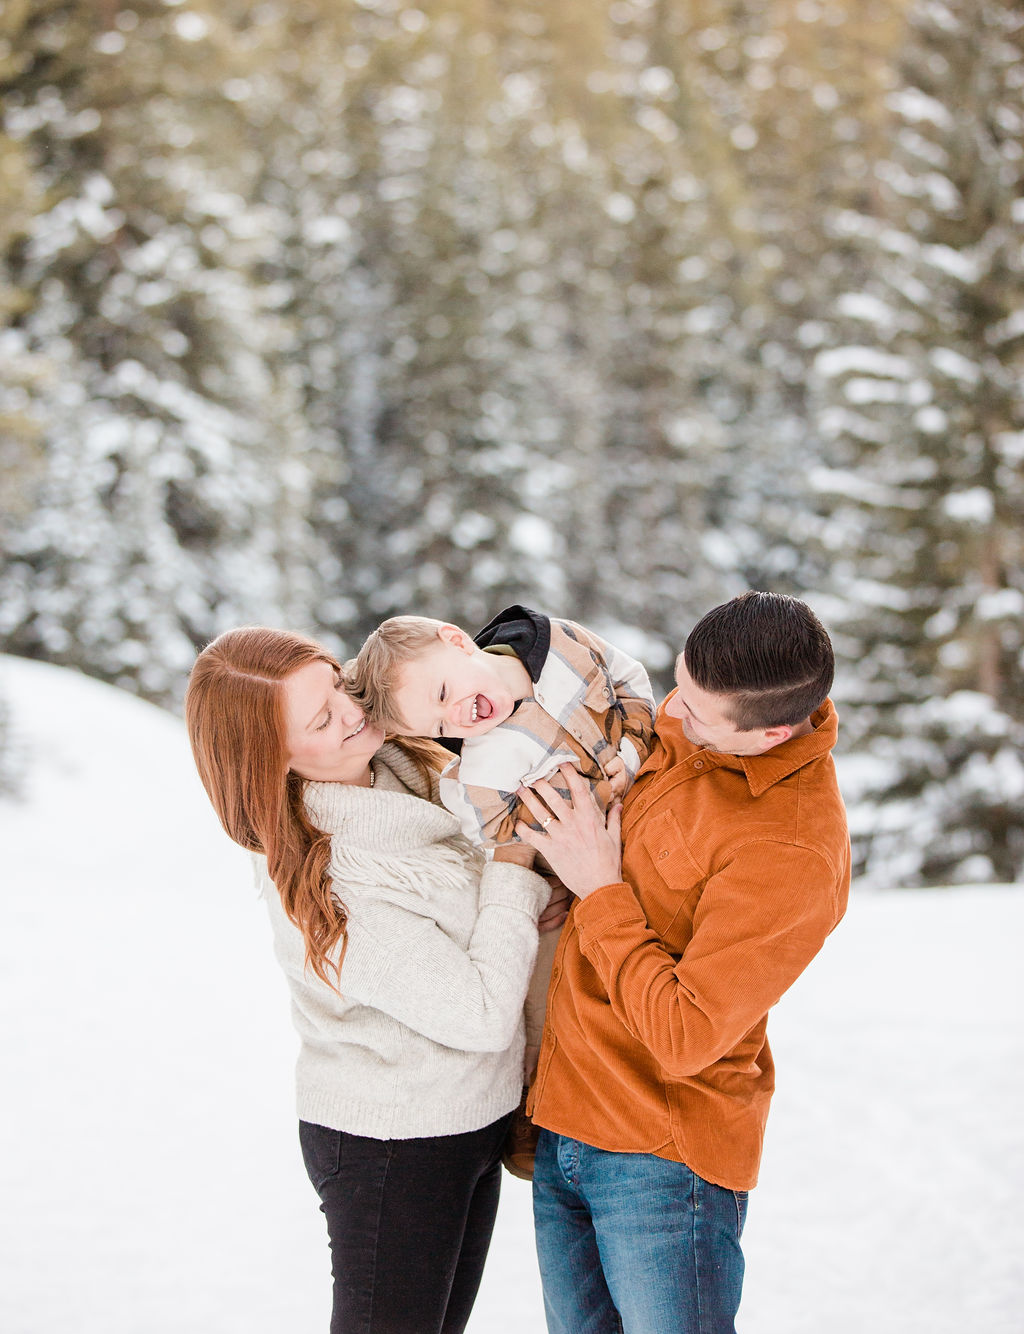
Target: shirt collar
[761,771]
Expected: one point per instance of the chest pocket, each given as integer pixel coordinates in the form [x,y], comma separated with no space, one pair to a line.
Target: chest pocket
[672,892]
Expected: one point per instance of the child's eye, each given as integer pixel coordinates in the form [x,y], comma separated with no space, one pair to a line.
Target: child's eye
[444,693]
[326,723]
[440,730]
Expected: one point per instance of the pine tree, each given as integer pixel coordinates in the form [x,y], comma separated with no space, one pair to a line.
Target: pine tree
[163,505]
[925,409]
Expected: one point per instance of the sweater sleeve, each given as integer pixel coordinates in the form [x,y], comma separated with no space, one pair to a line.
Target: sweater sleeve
[754,934]
[470,999]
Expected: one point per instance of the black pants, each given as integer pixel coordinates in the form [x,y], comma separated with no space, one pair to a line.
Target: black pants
[410,1222]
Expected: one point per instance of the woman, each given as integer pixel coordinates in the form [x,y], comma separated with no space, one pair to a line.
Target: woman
[407,957]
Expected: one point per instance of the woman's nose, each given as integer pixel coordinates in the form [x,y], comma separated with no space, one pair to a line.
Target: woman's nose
[351,713]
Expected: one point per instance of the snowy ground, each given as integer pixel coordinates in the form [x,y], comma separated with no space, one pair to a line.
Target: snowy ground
[151,1180]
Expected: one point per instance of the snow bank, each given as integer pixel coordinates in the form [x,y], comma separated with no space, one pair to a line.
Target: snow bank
[152,1181]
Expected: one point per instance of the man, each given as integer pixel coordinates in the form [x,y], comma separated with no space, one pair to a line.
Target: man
[655,1073]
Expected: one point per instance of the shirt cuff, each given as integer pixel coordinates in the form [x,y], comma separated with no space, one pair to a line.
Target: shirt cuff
[608,908]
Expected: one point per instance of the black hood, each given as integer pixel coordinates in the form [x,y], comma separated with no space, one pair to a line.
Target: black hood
[526,632]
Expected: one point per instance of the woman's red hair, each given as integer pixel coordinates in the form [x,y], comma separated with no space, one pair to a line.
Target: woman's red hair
[234,710]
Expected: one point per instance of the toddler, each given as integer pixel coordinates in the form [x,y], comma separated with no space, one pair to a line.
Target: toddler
[528,694]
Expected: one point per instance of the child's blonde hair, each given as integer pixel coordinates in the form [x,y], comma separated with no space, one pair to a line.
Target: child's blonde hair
[374,672]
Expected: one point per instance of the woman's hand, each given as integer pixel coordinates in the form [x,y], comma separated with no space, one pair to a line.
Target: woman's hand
[515,852]
[558,905]
[582,848]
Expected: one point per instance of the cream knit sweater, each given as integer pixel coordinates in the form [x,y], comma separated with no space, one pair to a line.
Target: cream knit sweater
[427,1036]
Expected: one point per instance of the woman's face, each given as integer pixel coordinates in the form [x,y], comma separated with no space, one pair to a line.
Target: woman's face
[327,738]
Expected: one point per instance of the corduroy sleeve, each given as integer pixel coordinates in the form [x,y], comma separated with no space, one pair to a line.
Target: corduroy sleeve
[758,923]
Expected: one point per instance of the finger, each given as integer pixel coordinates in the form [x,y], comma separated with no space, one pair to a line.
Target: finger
[545,811]
[555,911]
[533,803]
[552,796]
[575,782]
[614,821]
[580,791]
[535,838]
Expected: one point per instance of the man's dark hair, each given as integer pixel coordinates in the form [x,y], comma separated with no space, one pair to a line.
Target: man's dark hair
[769,652]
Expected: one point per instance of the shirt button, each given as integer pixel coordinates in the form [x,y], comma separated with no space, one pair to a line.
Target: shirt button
[698,764]
[662,855]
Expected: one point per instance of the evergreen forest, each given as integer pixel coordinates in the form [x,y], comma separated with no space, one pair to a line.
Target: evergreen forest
[317,311]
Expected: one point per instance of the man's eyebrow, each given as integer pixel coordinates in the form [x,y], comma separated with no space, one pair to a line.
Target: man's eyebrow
[702,721]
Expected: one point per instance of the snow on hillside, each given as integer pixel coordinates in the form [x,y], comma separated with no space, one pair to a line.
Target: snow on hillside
[151,1179]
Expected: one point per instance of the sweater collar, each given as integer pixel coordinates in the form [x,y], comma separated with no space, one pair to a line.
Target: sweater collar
[399,811]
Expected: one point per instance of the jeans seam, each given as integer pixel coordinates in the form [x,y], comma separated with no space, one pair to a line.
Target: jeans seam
[376,1236]
[695,1248]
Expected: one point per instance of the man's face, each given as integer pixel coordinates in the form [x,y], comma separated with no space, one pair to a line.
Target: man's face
[453,690]
[706,723]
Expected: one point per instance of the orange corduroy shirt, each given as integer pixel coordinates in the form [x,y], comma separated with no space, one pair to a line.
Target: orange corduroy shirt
[735,869]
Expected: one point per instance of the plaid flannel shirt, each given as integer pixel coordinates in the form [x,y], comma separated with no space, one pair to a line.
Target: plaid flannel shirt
[590,703]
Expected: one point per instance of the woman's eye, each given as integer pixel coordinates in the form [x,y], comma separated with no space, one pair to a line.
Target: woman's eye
[326,723]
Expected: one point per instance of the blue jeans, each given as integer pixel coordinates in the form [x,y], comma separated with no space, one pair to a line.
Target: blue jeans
[633,1244]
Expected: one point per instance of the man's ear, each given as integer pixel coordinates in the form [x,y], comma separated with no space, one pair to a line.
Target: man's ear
[451,634]
[774,736]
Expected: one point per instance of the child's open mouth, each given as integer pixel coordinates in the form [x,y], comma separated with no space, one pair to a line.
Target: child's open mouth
[482,709]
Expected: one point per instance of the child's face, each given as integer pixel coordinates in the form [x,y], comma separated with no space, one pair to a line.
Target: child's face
[453,690]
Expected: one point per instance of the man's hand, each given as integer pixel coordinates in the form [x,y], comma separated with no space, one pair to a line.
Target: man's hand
[581,847]
[618,776]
